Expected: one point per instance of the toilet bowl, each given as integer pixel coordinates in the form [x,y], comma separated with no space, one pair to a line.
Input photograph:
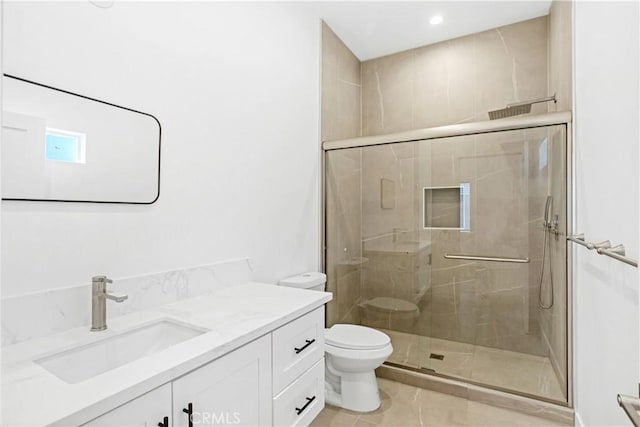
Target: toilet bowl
[352,353]
[389,313]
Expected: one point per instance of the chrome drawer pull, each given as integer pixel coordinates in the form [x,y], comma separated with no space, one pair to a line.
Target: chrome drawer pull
[309,400]
[308,343]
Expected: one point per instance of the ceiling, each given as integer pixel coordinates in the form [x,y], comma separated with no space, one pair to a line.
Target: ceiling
[376,28]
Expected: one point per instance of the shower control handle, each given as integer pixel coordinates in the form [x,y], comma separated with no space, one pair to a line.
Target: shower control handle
[554,227]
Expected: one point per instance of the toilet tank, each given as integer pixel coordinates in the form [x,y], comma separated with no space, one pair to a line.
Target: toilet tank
[312,280]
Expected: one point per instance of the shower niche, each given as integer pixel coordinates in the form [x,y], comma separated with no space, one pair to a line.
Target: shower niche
[446,207]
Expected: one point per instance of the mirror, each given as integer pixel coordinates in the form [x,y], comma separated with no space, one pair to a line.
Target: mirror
[61,146]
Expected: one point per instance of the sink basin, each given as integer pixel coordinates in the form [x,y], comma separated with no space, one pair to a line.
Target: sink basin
[86,361]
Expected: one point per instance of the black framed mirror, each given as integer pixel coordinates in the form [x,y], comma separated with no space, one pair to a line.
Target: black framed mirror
[65,147]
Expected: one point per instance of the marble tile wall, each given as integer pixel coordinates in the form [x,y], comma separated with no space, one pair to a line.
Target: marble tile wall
[479,303]
[553,321]
[343,234]
[341,91]
[547,176]
[560,54]
[66,308]
[403,274]
[456,81]
[398,256]
[398,164]
[538,180]
[485,303]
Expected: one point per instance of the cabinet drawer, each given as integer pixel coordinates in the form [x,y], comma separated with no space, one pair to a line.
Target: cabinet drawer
[297,346]
[303,400]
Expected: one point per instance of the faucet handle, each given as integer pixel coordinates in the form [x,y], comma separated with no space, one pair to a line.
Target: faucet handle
[116,296]
[104,279]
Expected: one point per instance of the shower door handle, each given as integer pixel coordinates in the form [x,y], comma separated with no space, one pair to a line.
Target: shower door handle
[487,258]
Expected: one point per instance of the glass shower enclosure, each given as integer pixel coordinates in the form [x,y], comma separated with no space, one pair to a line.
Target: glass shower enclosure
[455,247]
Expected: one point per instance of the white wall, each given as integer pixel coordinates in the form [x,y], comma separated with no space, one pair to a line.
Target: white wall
[236,88]
[606,129]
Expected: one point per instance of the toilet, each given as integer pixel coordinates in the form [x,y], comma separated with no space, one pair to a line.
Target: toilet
[352,353]
[389,313]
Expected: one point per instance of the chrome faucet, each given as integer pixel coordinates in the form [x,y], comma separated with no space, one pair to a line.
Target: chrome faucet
[99,297]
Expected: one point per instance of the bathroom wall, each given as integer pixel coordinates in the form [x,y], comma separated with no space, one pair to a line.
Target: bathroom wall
[455,81]
[235,86]
[607,65]
[341,90]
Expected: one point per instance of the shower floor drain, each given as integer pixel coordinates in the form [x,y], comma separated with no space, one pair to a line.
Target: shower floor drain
[436,356]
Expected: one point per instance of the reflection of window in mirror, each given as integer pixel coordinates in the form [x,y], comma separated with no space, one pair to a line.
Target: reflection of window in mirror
[65,146]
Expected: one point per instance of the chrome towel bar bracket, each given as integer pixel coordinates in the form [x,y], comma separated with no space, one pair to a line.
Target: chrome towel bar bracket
[604,248]
[631,406]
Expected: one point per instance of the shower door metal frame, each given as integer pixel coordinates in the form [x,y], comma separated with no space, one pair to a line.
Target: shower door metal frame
[475,128]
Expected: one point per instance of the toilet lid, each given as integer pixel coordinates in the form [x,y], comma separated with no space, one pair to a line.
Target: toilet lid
[387,304]
[355,337]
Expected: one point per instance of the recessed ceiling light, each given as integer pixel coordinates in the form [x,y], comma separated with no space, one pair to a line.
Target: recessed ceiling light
[435,20]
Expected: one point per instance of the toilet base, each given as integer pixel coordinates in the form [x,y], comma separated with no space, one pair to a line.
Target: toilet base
[358,392]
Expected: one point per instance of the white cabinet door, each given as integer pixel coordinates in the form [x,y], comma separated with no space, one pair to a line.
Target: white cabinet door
[233,390]
[147,410]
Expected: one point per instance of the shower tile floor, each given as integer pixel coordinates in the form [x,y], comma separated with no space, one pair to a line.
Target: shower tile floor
[404,405]
[501,368]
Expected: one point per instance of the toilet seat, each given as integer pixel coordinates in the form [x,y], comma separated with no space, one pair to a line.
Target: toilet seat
[391,305]
[355,337]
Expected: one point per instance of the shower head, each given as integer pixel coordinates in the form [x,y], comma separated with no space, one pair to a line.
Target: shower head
[510,111]
[518,108]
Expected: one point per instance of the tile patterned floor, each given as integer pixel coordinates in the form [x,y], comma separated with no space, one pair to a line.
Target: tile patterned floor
[405,406]
[502,368]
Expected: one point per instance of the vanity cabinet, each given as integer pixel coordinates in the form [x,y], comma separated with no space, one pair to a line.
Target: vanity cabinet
[150,409]
[232,390]
[277,379]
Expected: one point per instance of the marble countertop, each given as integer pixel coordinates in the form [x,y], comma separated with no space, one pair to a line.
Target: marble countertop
[234,316]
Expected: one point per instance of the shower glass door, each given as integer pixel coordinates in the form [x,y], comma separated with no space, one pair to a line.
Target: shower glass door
[440,244]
